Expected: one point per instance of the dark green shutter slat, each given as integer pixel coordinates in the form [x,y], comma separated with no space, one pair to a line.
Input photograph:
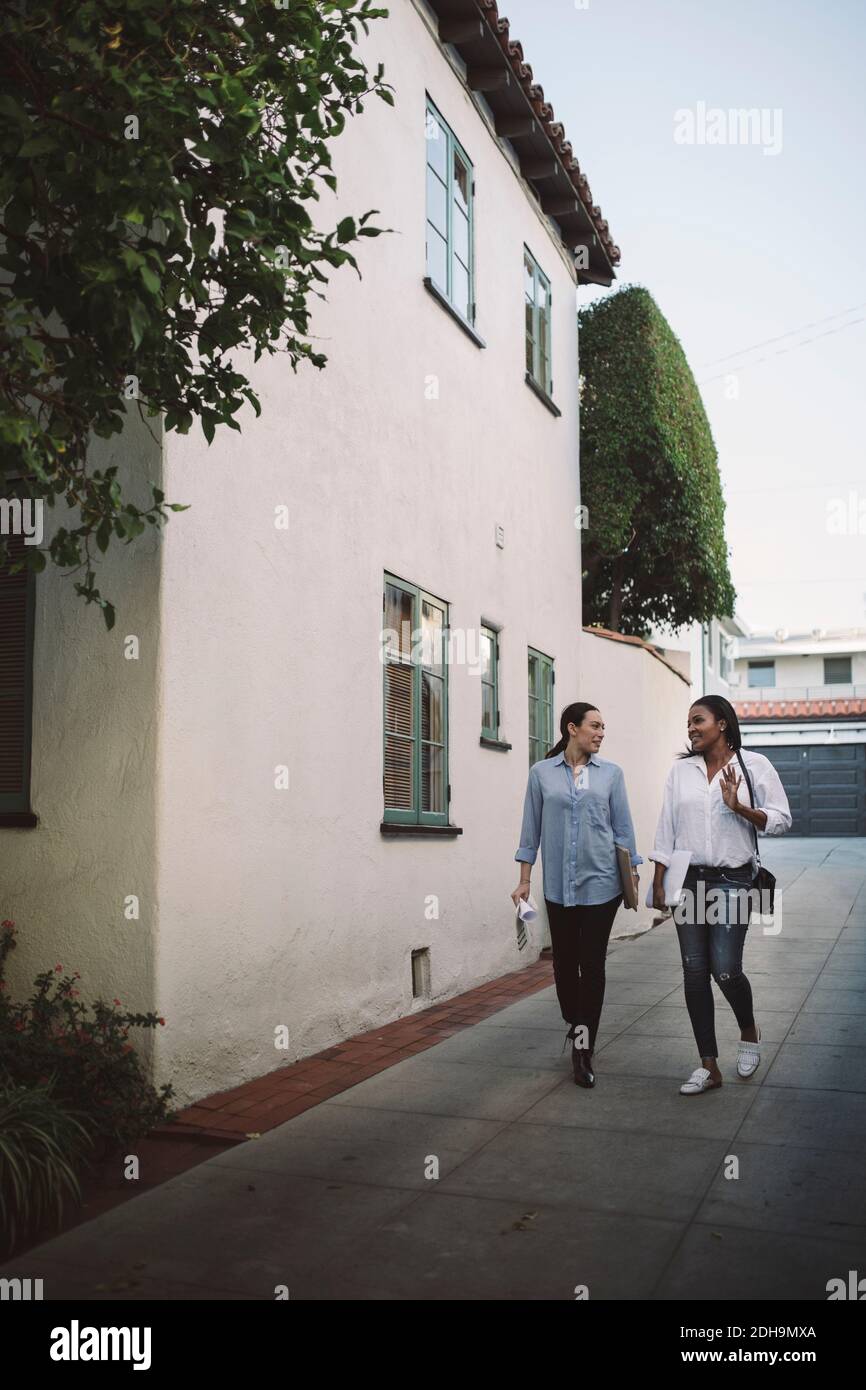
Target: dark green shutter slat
[16,679]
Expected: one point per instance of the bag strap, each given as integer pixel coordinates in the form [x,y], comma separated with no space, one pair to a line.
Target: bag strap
[752,804]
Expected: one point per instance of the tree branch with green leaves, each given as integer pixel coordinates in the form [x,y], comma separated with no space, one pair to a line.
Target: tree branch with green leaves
[161,165]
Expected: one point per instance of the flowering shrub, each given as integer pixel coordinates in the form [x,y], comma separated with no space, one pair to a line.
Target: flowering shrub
[83,1050]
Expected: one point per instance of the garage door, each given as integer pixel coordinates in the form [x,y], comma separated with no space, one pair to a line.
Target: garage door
[826,786]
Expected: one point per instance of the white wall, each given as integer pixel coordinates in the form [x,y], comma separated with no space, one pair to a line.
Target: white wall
[289,907]
[805,670]
[684,648]
[94,751]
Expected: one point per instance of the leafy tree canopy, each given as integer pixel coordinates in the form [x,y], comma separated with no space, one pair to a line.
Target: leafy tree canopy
[654,549]
[159,162]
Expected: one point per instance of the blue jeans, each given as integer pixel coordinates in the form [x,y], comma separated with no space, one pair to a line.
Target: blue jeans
[712,932]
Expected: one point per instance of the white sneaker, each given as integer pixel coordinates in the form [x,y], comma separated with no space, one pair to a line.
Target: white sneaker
[700,1080]
[749,1057]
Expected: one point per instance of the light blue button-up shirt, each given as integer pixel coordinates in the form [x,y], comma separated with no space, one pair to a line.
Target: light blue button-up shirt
[577,830]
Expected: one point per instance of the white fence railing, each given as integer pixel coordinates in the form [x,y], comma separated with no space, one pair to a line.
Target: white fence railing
[741,693]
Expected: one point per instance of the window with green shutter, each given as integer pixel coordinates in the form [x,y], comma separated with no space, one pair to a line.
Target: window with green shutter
[450,232]
[541,678]
[17,595]
[489,683]
[536,303]
[414,655]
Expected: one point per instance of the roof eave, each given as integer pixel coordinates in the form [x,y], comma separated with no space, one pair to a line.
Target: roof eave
[495,67]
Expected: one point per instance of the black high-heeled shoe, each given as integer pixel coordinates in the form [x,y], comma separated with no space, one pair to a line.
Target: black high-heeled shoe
[581,1066]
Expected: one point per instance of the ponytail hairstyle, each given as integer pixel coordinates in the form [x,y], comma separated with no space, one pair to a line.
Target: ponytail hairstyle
[722,709]
[572,714]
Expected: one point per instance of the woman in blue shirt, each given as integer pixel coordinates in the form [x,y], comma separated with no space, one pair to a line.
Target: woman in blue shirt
[577,810]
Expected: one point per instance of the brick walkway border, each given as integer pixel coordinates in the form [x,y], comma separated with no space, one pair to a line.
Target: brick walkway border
[219,1122]
[260,1105]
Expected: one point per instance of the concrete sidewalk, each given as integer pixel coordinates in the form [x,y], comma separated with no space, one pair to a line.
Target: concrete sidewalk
[542,1186]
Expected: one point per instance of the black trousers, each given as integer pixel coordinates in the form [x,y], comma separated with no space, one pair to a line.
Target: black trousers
[579,937]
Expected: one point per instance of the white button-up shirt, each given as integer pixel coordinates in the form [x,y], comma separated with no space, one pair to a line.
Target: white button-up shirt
[695,817]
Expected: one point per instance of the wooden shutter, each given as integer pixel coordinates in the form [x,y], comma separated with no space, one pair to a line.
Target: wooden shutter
[400,684]
[16,660]
[399,743]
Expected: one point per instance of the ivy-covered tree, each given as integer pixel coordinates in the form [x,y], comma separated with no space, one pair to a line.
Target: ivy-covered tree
[654,548]
[160,162]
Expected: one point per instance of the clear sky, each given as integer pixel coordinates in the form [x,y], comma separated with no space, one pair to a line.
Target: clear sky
[737,247]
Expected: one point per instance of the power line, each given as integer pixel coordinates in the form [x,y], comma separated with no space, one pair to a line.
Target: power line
[795,487]
[843,579]
[792,333]
[744,367]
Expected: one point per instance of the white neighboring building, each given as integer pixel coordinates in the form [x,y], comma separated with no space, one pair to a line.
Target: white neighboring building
[258,823]
[801,700]
[817,665]
[706,652]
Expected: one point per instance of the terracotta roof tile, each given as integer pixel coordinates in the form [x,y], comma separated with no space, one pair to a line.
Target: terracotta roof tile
[553,129]
[637,642]
[800,709]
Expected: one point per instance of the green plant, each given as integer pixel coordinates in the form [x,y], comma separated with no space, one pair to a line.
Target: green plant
[654,551]
[85,1048]
[159,163]
[41,1146]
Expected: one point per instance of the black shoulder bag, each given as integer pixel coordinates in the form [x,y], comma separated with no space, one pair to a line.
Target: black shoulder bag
[764,881]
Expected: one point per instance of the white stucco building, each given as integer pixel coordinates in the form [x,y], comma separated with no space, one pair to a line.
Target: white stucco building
[706,653]
[821,664]
[801,700]
[247,819]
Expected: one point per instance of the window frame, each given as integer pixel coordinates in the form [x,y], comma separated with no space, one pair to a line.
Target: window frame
[453,148]
[758,685]
[545,662]
[848,678]
[538,276]
[393,815]
[487,732]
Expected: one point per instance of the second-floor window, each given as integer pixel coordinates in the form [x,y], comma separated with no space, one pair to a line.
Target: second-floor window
[762,673]
[449,216]
[536,297]
[540,705]
[837,670]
